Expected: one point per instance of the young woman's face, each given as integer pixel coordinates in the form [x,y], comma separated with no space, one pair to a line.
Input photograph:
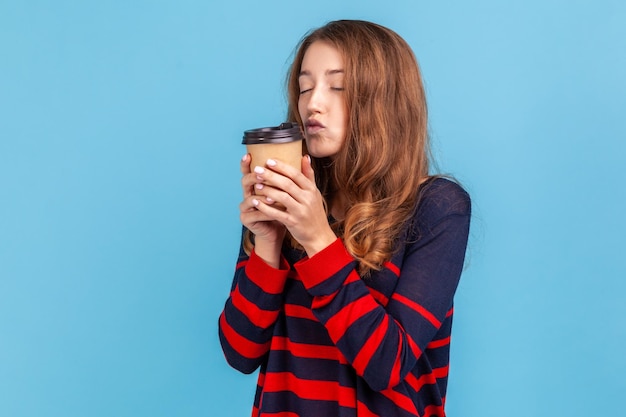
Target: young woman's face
[322,105]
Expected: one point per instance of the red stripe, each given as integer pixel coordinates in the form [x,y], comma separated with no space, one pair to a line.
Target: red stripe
[363,411]
[300,312]
[241,264]
[369,348]
[426,379]
[256,407]
[323,300]
[258,317]
[281,414]
[269,279]
[395,371]
[434,411]
[305,350]
[353,276]
[421,310]
[243,346]
[339,323]
[450,312]
[310,389]
[261,380]
[417,352]
[438,343]
[400,400]
[379,296]
[324,264]
[392,268]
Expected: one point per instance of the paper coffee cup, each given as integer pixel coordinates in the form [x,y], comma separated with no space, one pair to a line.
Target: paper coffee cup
[282,142]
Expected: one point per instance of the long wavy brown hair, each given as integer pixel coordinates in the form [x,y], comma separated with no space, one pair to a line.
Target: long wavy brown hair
[385,156]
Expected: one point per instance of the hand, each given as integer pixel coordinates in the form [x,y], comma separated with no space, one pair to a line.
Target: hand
[268,233]
[304,214]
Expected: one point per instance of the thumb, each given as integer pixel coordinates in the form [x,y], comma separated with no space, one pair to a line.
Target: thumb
[307,168]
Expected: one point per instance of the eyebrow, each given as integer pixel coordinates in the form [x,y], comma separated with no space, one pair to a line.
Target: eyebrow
[328,72]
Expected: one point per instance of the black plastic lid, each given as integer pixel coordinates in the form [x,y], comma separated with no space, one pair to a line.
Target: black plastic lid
[286,132]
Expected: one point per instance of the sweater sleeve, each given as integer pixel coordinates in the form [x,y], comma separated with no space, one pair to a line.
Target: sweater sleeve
[383,344]
[247,321]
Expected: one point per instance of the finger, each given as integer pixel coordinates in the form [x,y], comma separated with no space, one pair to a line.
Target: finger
[290,172]
[261,190]
[252,203]
[246,206]
[245,164]
[284,177]
[269,180]
[251,212]
[249,218]
[247,184]
[268,209]
[270,195]
[307,168]
[247,180]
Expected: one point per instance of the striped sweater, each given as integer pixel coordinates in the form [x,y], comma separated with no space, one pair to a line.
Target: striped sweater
[332,344]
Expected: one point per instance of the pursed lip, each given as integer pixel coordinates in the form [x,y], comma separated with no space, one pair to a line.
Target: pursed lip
[313,125]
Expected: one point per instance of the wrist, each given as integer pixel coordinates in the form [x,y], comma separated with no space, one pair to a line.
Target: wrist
[319,244]
[268,251]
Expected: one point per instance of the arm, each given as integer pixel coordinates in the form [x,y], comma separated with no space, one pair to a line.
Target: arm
[268,233]
[247,321]
[384,344]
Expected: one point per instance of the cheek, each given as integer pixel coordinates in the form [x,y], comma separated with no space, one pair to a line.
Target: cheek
[342,118]
[341,108]
[302,107]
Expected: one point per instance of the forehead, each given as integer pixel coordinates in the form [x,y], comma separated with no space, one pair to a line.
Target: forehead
[321,57]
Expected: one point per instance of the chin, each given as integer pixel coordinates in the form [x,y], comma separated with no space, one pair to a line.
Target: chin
[319,151]
[320,154]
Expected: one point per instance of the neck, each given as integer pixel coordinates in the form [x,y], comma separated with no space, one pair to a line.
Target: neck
[338,207]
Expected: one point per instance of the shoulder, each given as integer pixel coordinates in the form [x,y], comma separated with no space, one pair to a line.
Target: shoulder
[442,204]
[443,207]
[440,201]
[440,197]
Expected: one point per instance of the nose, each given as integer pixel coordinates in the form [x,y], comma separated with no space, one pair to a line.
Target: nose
[315,102]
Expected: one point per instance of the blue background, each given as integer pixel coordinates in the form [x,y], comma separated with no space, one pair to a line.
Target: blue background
[120,125]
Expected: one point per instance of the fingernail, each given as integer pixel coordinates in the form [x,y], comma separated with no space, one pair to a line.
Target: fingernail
[259,170]
[269,200]
[243,158]
[271,162]
[309,158]
[255,202]
[258,186]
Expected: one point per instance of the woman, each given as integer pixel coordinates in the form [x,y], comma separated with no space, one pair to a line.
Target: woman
[344,299]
